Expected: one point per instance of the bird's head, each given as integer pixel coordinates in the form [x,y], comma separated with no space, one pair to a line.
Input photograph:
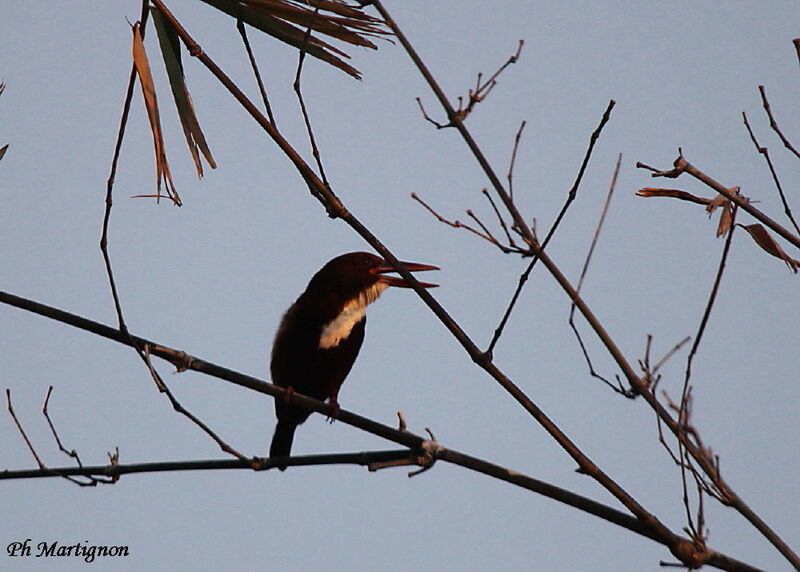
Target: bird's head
[360,273]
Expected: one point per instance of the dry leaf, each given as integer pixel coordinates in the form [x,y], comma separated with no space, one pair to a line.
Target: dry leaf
[151,104]
[716,202]
[674,193]
[766,242]
[278,18]
[725,220]
[171,53]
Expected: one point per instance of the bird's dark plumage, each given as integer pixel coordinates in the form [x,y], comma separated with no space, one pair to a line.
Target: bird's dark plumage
[321,333]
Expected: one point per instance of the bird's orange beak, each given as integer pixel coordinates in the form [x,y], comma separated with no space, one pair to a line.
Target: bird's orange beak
[397,280]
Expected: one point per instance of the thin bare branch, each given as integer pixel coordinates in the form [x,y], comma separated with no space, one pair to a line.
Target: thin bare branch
[162,387]
[774,124]
[486,235]
[765,153]
[510,175]
[502,222]
[299,92]
[126,107]
[670,353]
[474,96]
[42,467]
[240,25]
[539,249]
[73,454]
[618,387]
[21,430]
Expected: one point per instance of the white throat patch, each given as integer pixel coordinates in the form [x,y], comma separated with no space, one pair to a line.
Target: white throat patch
[340,327]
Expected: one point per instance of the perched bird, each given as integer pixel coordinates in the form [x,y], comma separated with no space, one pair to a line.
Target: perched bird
[319,336]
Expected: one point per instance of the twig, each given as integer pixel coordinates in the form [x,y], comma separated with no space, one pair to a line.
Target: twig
[598,229]
[298,90]
[763,151]
[510,175]
[22,431]
[126,107]
[42,467]
[162,387]
[617,388]
[240,25]
[684,410]
[93,481]
[774,124]
[500,219]
[486,235]
[701,329]
[486,231]
[670,353]
[474,96]
[692,435]
[540,249]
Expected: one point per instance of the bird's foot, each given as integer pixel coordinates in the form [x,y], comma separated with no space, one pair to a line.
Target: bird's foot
[287,397]
[334,411]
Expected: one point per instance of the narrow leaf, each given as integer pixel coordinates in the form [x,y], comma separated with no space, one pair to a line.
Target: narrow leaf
[151,104]
[170,51]
[767,243]
[674,193]
[265,15]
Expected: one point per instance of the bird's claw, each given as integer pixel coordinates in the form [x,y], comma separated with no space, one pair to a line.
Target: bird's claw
[335,409]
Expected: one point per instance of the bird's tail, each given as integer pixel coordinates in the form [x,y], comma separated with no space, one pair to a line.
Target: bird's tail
[282,441]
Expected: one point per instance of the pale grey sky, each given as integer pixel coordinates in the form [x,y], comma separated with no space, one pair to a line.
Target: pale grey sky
[214,276]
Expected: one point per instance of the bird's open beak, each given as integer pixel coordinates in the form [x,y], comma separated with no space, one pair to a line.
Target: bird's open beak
[397,280]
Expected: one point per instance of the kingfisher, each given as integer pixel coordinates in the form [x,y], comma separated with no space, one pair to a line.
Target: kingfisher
[320,335]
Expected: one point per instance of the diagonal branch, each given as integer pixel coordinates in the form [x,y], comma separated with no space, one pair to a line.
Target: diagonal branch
[539,251]
[765,153]
[681,166]
[774,124]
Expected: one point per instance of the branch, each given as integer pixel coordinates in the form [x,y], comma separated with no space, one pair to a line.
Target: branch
[681,166]
[539,250]
[617,388]
[474,96]
[257,463]
[373,458]
[774,124]
[765,153]
[93,481]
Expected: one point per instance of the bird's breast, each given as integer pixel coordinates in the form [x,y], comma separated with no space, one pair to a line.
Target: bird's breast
[351,313]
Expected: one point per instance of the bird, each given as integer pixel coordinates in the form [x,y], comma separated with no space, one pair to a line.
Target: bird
[320,335]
